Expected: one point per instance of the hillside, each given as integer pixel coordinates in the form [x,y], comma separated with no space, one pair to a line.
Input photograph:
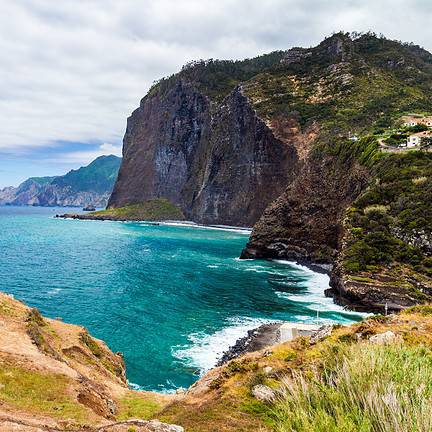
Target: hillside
[57,377]
[288,142]
[89,185]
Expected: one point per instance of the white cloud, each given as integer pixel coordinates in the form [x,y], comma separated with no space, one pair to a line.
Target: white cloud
[78,158]
[73,71]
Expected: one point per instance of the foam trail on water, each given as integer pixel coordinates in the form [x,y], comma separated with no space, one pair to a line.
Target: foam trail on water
[207,349]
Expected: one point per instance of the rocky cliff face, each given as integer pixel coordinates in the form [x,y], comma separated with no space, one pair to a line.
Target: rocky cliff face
[304,223]
[219,162]
[288,142]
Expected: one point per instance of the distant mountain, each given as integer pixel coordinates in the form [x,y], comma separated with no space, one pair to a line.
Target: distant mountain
[89,185]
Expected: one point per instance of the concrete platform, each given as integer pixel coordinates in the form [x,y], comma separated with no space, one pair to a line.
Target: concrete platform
[288,331]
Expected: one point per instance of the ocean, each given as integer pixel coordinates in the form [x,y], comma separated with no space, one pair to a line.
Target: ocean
[171,298]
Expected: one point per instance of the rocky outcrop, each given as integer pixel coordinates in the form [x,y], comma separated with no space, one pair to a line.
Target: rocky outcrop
[57,377]
[218,161]
[305,222]
[284,142]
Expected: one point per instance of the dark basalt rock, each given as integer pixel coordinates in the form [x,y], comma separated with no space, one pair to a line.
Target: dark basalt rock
[255,340]
[218,161]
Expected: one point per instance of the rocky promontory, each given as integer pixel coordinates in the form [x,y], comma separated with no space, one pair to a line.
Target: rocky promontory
[151,210]
[57,377]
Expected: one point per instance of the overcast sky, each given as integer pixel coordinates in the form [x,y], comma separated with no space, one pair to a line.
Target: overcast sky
[72,71]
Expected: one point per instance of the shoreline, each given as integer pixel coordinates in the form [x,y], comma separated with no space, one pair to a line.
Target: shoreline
[255,340]
[178,223]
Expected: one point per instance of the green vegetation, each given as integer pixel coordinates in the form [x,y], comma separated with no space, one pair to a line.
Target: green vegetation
[361,95]
[93,346]
[216,78]
[109,362]
[40,333]
[99,176]
[388,221]
[140,406]
[39,393]
[369,388]
[151,210]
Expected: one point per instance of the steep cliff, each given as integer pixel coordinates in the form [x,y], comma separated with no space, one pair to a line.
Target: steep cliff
[89,185]
[56,377]
[215,158]
[289,142]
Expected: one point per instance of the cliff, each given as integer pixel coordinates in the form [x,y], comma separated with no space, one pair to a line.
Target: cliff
[287,142]
[56,377]
[215,158]
[89,185]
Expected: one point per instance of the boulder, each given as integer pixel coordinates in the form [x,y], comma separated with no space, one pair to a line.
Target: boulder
[321,334]
[385,338]
[263,393]
[268,370]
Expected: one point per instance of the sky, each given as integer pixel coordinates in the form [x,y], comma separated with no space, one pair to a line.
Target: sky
[72,71]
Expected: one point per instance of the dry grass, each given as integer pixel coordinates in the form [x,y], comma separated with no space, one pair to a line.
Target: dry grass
[369,389]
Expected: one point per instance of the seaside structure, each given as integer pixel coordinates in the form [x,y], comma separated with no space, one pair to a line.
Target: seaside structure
[289,330]
[416,139]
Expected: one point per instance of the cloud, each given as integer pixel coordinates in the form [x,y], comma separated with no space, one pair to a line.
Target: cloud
[84,157]
[73,71]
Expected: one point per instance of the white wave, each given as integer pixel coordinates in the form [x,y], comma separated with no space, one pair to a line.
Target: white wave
[54,291]
[246,231]
[205,350]
[212,266]
[161,388]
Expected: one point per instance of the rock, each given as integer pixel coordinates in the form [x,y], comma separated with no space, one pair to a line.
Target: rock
[141,426]
[157,426]
[268,370]
[263,393]
[255,340]
[218,161]
[321,334]
[384,338]
[180,391]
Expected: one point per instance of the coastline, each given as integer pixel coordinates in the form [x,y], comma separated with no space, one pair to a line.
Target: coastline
[255,340]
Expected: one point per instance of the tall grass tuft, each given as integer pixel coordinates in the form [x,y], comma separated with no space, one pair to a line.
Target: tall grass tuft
[370,389]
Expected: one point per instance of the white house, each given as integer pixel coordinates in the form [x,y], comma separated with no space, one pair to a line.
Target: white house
[414,120]
[415,140]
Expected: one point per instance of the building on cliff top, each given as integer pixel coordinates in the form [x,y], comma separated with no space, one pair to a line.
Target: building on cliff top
[414,120]
[416,139]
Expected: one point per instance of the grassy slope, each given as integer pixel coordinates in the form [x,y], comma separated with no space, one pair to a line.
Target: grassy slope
[151,210]
[343,383]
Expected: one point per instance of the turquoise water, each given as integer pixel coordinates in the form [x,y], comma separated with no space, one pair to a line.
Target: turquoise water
[171,298]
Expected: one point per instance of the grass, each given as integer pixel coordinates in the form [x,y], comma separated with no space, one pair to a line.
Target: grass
[91,344]
[370,388]
[40,393]
[138,406]
[151,210]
